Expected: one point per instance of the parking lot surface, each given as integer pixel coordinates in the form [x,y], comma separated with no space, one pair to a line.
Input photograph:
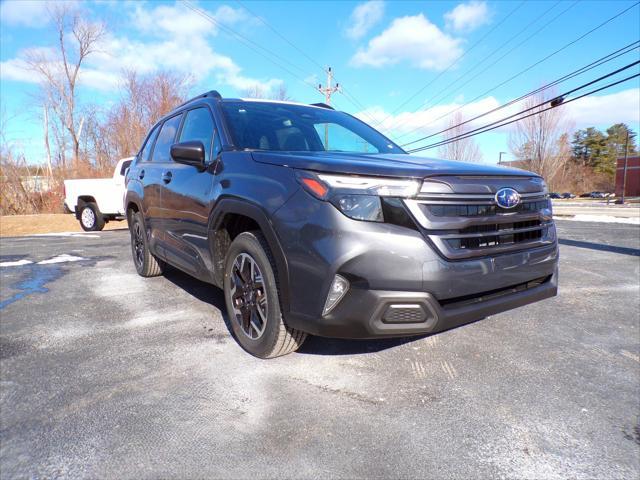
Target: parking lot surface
[106,374]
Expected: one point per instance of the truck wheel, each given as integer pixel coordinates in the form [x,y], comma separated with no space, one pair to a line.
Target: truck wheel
[147,265]
[253,303]
[91,220]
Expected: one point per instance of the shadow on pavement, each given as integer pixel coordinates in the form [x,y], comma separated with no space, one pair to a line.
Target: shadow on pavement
[338,346]
[313,346]
[600,246]
[201,290]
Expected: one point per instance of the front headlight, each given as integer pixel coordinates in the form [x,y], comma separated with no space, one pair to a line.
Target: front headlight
[381,186]
[357,197]
[360,207]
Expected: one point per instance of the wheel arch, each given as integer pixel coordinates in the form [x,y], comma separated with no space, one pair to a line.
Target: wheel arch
[233,209]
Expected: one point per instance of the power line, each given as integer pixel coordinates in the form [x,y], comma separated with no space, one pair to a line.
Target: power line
[495,51]
[564,47]
[274,30]
[351,98]
[452,64]
[248,42]
[601,61]
[494,125]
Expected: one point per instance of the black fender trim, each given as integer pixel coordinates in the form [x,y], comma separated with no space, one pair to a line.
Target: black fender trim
[256,213]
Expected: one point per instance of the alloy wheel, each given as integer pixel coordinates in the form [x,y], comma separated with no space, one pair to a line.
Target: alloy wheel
[249,296]
[138,244]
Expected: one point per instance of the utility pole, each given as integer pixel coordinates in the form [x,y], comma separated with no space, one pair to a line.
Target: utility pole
[624,171]
[327,91]
[500,157]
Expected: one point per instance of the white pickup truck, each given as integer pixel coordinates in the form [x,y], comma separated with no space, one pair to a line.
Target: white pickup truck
[96,201]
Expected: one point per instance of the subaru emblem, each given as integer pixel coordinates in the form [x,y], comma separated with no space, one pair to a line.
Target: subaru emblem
[507,198]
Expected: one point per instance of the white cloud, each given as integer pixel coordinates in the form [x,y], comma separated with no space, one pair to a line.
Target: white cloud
[172,38]
[466,17]
[623,106]
[601,110]
[16,69]
[414,39]
[413,124]
[27,13]
[364,17]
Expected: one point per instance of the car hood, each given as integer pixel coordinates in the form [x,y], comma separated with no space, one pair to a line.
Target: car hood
[391,165]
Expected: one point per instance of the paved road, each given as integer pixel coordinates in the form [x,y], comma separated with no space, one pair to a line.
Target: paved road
[105,374]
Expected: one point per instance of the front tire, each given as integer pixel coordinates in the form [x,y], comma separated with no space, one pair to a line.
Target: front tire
[91,220]
[253,300]
[147,265]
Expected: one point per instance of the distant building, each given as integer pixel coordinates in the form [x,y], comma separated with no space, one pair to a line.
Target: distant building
[633,177]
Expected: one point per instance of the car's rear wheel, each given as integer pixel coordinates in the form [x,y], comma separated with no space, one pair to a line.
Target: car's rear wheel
[91,220]
[253,302]
[147,265]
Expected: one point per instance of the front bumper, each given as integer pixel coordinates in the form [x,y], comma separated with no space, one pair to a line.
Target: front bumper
[389,266]
[377,313]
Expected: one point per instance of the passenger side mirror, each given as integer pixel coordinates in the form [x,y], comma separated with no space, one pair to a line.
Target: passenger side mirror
[189,153]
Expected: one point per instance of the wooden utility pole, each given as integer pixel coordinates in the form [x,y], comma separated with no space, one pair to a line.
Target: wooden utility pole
[624,171]
[327,91]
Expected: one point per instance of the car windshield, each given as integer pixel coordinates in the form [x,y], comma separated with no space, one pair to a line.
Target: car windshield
[288,127]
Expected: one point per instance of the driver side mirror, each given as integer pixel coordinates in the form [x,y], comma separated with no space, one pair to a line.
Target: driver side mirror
[189,153]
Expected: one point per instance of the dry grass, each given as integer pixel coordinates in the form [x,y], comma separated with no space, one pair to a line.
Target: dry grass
[18,225]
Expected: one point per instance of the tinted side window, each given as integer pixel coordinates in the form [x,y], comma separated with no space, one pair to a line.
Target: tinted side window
[198,126]
[166,138]
[146,151]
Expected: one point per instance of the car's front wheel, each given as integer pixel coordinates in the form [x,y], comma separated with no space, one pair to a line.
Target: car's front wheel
[91,220]
[252,298]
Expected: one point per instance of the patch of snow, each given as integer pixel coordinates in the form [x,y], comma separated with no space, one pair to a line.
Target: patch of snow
[17,263]
[603,219]
[61,259]
[67,234]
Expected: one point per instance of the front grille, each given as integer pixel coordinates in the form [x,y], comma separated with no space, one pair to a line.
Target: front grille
[473,225]
[483,210]
[497,234]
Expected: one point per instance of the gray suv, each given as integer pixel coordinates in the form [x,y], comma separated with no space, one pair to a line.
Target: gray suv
[312,222]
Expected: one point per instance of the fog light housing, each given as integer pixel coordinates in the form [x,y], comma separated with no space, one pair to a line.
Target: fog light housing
[338,289]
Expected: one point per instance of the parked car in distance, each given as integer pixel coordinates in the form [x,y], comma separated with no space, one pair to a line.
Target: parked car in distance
[96,201]
[598,195]
[568,195]
[312,222]
[585,195]
[555,195]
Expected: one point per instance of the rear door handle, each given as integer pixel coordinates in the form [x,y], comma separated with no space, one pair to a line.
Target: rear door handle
[166,177]
[141,174]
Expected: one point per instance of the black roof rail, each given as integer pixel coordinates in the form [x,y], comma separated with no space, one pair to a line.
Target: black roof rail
[211,93]
[322,105]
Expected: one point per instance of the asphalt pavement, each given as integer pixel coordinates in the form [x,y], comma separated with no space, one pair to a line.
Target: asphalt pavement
[108,375]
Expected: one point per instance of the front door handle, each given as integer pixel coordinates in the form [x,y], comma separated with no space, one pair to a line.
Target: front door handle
[141,174]
[166,177]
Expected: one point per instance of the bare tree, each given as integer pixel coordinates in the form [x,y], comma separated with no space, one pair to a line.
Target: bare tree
[257,91]
[59,70]
[541,142]
[119,131]
[465,149]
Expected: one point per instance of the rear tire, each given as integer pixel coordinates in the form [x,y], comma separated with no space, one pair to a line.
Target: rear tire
[147,265]
[91,220]
[252,296]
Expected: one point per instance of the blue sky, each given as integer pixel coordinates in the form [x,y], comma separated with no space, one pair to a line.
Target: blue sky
[383,53]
